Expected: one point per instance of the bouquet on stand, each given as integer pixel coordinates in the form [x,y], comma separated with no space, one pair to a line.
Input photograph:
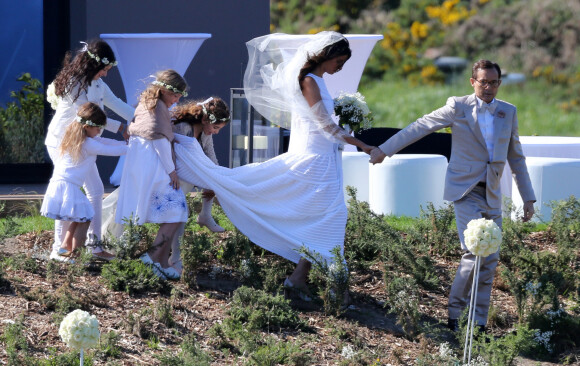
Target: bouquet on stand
[482,238]
[80,331]
[353,112]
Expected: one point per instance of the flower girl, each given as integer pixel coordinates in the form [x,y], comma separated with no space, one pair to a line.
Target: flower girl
[149,190]
[64,200]
[80,81]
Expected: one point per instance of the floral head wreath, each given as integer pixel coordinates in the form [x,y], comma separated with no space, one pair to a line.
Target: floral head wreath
[169,87]
[105,61]
[211,116]
[87,122]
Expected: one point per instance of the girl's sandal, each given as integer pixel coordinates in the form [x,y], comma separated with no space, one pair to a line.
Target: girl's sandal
[64,252]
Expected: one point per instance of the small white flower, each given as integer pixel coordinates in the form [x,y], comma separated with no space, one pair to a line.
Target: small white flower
[446,351]
[79,330]
[348,352]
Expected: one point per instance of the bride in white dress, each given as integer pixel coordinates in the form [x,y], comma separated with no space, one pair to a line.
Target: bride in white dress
[295,199]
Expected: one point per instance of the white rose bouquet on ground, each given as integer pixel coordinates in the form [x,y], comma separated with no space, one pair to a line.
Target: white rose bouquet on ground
[352,111]
[482,237]
[79,330]
[51,96]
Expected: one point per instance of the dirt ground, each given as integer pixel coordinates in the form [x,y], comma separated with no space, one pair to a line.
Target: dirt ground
[366,323]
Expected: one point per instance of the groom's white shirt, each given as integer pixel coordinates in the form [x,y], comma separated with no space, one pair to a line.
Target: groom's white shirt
[470,161]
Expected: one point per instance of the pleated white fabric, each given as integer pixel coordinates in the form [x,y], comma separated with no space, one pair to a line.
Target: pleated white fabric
[287,202]
[66,201]
[145,193]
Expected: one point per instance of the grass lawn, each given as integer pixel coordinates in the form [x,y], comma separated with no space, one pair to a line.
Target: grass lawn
[396,103]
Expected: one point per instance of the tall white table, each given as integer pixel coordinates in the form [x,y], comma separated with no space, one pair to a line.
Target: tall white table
[541,146]
[142,54]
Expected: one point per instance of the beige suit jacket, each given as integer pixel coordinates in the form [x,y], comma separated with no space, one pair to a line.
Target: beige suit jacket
[469,162]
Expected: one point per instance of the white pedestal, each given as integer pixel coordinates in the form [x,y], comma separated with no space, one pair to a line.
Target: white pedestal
[402,184]
[143,54]
[553,179]
[355,172]
[541,146]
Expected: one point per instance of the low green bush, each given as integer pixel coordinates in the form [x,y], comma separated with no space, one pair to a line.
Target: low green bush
[259,310]
[190,354]
[131,276]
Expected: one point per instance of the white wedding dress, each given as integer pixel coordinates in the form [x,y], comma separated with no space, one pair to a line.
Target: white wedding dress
[287,202]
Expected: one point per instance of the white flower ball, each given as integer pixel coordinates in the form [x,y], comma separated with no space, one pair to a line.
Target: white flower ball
[79,330]
[51,96]
[482,237]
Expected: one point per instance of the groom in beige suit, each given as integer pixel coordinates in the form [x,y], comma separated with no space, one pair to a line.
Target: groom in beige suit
[484,137]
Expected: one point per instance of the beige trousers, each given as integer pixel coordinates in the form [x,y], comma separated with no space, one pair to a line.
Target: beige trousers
[473,206]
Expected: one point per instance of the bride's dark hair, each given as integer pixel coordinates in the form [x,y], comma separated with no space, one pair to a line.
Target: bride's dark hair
[82,68]
[337,49]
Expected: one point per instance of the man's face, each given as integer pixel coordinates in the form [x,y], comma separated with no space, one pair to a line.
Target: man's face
[486,84]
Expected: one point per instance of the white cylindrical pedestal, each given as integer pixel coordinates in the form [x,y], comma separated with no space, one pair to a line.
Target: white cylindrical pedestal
[404,183]
[553,179]
[355,172]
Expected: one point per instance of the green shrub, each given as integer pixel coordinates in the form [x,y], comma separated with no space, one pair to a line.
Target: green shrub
[277,352]
[195,249]
[504,350]
[436,230]
[131,276]
[367,234]
[21,262]
[190,354]
[15,343]
[108,346]
[330,279]
[260,310]
[235,248]
[403,301]
[134,241]
[556,331]
[22,124]
[71,358]
[163,312]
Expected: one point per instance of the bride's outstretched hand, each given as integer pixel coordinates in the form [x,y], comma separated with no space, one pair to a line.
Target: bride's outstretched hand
[377,156]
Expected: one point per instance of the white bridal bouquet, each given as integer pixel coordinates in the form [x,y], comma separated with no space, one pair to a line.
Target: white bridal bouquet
[352,111]
[51,96]
[482,237]
[79,330]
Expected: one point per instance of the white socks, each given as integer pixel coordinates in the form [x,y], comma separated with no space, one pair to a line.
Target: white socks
[205,218]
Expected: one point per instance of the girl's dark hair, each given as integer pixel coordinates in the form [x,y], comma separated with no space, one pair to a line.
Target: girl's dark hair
[81,69]
[339,48]
[192,112]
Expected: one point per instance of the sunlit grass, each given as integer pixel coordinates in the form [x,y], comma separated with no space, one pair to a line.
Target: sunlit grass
[396,103]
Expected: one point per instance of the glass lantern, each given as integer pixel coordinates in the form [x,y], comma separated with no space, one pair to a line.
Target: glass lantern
[268,140]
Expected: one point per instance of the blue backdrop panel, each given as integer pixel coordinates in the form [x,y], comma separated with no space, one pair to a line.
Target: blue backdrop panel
[21,42]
